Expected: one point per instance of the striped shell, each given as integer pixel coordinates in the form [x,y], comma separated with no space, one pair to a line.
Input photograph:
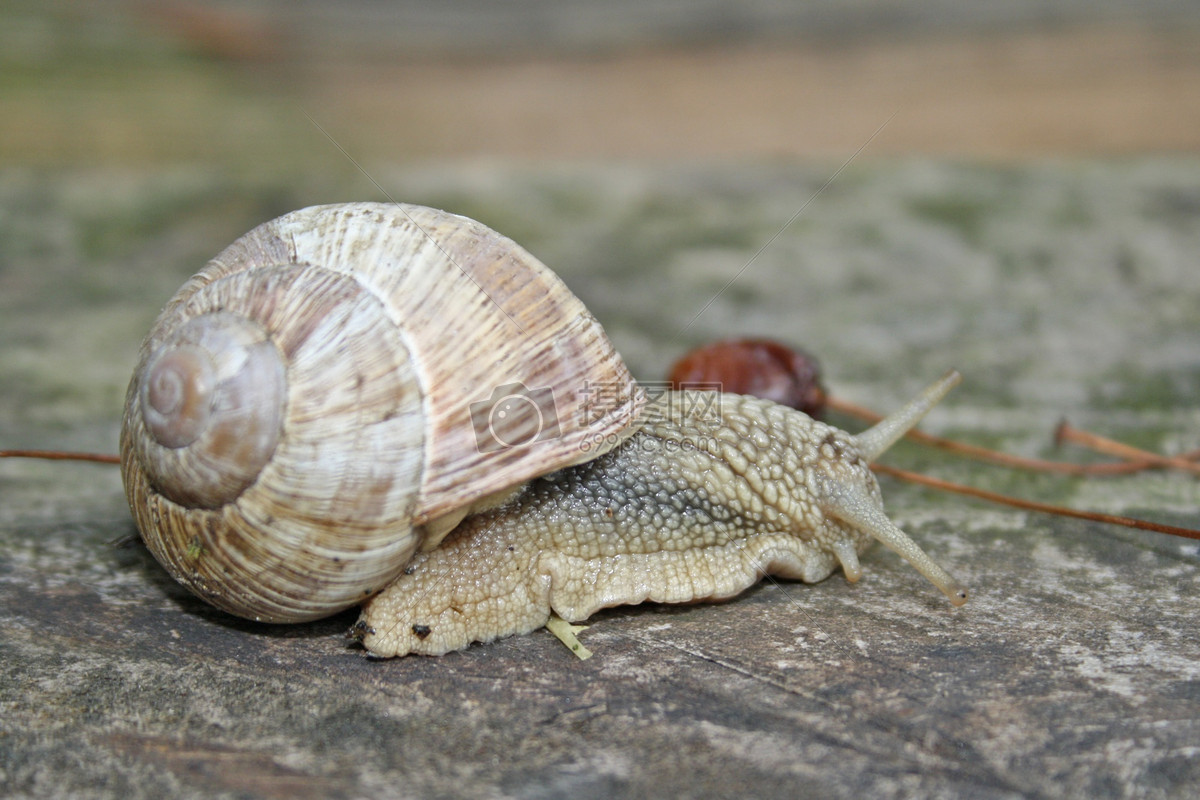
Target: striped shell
[328,390]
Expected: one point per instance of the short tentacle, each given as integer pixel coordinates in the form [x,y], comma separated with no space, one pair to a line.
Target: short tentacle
[847,555]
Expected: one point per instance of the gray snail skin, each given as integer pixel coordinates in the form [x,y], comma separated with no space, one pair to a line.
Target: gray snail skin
[389,405]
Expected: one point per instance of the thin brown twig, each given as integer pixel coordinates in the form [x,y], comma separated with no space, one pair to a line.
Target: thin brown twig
[1145,458]
[997,457]
[1066,432]
[57,455]
[1033,505]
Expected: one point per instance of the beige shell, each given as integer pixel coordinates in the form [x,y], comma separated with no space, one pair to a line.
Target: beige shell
[324,392]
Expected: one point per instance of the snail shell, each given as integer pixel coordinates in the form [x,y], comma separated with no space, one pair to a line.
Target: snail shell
[300,419]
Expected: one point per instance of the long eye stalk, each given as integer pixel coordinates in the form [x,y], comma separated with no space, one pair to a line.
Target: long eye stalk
[874,441]
[863,513]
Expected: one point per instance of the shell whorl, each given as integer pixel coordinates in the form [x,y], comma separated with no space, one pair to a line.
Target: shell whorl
[304,404]
[211,397]
[249,526]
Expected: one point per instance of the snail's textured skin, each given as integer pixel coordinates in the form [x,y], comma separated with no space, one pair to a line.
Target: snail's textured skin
[713,492]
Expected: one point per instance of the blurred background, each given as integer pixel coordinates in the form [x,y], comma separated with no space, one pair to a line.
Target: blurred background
[1011,188]
[271,85]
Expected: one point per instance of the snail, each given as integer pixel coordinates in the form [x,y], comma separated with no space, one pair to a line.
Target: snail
[394,406]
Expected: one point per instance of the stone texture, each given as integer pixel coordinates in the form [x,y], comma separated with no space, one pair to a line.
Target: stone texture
[1058,288]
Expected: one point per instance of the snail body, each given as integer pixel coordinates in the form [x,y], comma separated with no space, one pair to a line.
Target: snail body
[346,386]
[713,492]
